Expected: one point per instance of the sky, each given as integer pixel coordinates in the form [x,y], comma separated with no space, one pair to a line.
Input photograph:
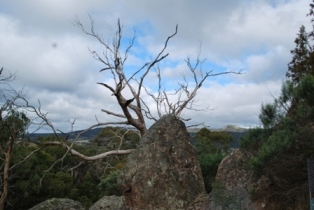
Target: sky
[50,56]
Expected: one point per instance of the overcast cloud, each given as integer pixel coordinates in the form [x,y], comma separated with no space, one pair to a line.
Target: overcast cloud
[50,56]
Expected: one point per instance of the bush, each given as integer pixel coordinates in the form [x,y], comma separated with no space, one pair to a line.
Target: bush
[108,185]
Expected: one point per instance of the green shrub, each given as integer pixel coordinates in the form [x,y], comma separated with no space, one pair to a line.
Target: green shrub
[108,185]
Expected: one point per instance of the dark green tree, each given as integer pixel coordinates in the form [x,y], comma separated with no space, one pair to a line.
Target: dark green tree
[212,142]
[108,185]
[279,151]
[13,124]
[32,185]
[303,58]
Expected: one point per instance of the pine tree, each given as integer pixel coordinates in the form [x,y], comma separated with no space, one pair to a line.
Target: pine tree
[303,58]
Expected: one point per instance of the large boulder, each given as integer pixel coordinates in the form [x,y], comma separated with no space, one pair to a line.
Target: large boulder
[59,204]
[234,181]
[163,172]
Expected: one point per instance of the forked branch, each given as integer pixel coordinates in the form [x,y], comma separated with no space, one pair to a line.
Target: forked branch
[113,61]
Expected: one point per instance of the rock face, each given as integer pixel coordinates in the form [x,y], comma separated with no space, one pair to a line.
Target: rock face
[59,204]
[202,202]
[110,203]
[235,182]
[163,172]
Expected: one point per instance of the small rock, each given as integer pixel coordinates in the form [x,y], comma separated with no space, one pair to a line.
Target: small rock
[59,204]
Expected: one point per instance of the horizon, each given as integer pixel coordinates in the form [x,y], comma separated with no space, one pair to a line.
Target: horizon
[130,127]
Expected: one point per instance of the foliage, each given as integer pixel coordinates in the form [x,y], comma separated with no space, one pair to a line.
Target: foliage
[279,151]
[303,58]
[32,187]
[253,140]
[86,183]
[211,148]
[275,113]
[87,192]
[13,125]
[108,185]
[13,121]
[211,142]
[209,164]
[113,137]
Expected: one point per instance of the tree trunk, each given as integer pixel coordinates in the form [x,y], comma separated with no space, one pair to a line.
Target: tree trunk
[6,170]
[5,180]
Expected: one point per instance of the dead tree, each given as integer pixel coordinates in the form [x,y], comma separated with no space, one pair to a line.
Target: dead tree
[114,60]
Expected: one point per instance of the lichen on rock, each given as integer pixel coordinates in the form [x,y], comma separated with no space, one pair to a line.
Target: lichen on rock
[163,172]
[59,204]
[233,183]
[110,203]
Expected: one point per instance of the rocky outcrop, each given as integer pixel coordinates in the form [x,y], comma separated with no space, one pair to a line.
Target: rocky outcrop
[163,172]
[233,184]
[59,204]
[110,203]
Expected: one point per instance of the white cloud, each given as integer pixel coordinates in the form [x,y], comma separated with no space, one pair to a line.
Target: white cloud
[233,103]
[50,55]
[266,67]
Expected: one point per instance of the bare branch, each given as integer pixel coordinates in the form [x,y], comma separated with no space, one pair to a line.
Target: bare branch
[159,57]
[90,158]
[107,86]
[75,167]
[112,113]
[114,62]
[196,125]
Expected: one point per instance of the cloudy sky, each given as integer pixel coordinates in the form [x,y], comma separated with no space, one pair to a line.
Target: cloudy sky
[49,54]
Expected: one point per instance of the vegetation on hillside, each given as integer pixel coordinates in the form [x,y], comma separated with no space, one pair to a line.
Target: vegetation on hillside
[84,181]
[211,148]
[88,181]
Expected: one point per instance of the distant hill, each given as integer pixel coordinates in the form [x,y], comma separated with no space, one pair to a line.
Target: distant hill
[233,130]
[236,132]
[227,128]
[89,135]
